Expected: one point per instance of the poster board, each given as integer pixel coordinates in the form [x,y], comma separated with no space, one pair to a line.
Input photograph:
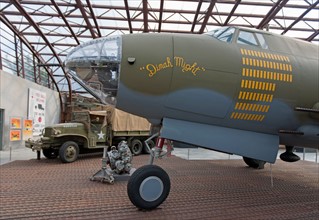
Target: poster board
[36,110]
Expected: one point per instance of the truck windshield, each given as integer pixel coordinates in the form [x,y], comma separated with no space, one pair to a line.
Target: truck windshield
[97,64]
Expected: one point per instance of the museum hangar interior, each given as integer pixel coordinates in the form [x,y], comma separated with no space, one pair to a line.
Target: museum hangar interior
[36,37]
[37,90]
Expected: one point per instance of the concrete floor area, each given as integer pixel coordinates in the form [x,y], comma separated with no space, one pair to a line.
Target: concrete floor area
[223,188]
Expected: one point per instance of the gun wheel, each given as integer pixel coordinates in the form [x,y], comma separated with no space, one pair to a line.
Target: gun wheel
[148,187]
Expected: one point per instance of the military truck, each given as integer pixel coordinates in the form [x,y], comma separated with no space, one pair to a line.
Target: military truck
[91,130]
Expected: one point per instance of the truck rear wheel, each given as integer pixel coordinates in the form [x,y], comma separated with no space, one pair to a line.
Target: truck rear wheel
[50,153]
[69,152]
[136,146]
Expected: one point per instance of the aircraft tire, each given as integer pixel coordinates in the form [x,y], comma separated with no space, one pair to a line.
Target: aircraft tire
[136,146]
[253,163]
[148,187]
[50,153]
[151,144]
[69,152]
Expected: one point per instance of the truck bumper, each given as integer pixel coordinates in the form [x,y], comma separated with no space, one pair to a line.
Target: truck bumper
[36,145]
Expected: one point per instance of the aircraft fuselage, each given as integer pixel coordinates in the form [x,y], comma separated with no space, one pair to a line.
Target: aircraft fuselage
[201,79]
[235,90]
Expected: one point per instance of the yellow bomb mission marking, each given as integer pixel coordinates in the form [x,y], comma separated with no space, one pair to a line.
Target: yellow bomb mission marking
[178,62]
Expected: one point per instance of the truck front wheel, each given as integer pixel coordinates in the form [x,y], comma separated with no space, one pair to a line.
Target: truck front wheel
[69,152]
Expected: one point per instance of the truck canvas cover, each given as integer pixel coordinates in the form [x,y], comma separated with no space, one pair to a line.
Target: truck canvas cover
[123,121]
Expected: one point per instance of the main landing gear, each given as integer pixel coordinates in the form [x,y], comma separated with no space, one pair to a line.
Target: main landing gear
[253,163]
[149,186]
[287,156]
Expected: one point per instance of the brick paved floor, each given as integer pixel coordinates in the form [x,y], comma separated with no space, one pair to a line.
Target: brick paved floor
[220,189]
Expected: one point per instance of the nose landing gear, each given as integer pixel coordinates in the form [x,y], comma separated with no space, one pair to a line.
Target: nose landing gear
[149,185]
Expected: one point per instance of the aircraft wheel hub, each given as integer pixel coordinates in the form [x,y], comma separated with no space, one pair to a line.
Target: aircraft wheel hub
[151,188]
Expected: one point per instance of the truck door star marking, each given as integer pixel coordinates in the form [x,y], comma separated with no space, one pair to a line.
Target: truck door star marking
[100,135]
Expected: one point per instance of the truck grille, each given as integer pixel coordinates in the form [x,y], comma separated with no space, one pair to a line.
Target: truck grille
[48,132]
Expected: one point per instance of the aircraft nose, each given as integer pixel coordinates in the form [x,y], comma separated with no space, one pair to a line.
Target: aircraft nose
[97,64]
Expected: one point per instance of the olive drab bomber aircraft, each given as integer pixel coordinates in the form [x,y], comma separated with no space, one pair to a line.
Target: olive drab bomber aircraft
[234,90]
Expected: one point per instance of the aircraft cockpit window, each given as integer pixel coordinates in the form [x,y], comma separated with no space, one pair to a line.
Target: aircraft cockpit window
[262,41]
[95,65]
[247,38]
[223,34]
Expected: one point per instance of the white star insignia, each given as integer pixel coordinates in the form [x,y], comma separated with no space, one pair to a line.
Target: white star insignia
[101,135]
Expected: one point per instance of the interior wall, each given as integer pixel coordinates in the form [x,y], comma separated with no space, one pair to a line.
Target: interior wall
[14,92]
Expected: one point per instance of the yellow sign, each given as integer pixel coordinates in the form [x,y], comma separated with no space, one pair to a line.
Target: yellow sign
[168,63]
[15,135]
[28,124]
[15,123]
[27,129]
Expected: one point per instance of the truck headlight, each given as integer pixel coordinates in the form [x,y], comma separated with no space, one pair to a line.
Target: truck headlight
[56,131]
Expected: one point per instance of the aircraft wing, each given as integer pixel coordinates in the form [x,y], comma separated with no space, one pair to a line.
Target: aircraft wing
[245,143]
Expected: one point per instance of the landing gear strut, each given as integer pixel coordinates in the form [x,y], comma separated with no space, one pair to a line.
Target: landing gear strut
[149,186]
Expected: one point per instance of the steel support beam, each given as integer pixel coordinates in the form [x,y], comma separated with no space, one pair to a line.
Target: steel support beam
[16,54]
[207,16]
[160,16]
[163,21]
[232,12]
[65,21]
[272,12]
[158,11]
[311,37]
[145,16]
[34,69]
[94,18]
[86,18]
[300,17]
[196,15]
[128,17]
[19,57]
[141,29]
[105,6]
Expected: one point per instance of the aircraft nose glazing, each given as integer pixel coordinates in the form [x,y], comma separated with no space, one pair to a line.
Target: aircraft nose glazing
[97,64]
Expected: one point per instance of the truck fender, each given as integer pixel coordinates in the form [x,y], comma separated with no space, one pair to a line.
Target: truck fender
[74,137]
